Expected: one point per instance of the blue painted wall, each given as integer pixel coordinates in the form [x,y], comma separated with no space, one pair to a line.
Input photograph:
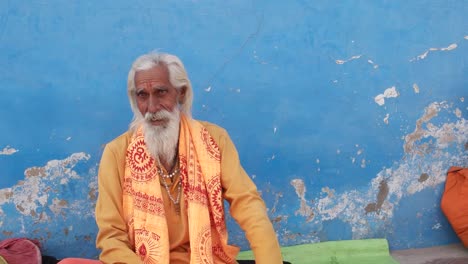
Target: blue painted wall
[347,114]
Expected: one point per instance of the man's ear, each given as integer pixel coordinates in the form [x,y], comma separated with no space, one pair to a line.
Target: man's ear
[182,92]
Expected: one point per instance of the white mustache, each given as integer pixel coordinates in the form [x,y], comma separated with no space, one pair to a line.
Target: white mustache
[163,114]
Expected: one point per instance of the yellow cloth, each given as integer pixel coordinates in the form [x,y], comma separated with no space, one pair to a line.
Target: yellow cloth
[246,207]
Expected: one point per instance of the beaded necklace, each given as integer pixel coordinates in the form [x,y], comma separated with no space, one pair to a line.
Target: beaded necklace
[164,176]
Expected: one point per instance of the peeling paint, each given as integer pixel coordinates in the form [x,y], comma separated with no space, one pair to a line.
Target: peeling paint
[58,206]
[305,210]
[451,47]
[277,198]
[350,59]
[386,118]
[430,112]
[8,151]
[374,65]
[389,93]
[415,88]
[271,158]
[40,182]
[258,59]
[330,192]
[35,172]
[279,219]
[372,209]
[426,53]
[363,163]
[444,135]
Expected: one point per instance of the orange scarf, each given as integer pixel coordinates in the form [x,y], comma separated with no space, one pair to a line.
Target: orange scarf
[143,207]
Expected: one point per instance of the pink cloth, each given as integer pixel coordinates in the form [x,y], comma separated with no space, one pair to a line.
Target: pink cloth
[79,261]
[20,251]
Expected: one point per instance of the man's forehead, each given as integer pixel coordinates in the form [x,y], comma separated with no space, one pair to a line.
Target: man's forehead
[152,75]
[147,81]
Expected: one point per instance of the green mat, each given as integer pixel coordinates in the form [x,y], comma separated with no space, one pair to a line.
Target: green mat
[364,251]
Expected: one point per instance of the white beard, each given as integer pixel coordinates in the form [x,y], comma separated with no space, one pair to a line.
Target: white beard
[161,141]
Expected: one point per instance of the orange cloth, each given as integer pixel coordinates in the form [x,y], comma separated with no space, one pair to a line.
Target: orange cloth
[454,202]
[143,206]
[246,206]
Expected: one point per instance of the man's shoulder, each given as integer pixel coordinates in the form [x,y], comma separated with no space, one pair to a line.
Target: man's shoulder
[213,129]
[120,141]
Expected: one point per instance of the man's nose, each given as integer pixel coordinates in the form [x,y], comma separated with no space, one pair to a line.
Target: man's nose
[154,104]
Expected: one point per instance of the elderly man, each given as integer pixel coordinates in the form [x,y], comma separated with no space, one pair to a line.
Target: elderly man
[162,183]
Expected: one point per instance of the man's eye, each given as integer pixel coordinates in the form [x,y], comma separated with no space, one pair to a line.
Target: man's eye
[141,94]
[162,91]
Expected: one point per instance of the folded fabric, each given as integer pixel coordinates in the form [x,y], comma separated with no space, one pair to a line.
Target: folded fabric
[454,203]
[363,251]
[20,251]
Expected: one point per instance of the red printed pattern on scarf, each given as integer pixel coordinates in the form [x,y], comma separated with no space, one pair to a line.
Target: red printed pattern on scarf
[148,203]
[210,145]
[147,246]
[216,202]
[142,165]
[194,189]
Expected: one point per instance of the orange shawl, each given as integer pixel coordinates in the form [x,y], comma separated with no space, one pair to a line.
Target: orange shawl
[143,208]
[454,203]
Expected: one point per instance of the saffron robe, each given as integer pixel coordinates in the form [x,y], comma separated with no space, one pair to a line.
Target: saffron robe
[246,207]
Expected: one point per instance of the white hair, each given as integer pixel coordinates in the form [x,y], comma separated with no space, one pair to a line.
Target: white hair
[177,77]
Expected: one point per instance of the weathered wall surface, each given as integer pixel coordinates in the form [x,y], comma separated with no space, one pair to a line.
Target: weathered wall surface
[347,114]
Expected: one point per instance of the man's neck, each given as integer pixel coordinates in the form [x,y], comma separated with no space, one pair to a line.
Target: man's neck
[168,165]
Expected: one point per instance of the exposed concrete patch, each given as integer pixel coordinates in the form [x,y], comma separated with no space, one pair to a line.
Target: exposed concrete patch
[423,177]
[381,196]
[305,209]
[418,133]
[35,172]
[57,206]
